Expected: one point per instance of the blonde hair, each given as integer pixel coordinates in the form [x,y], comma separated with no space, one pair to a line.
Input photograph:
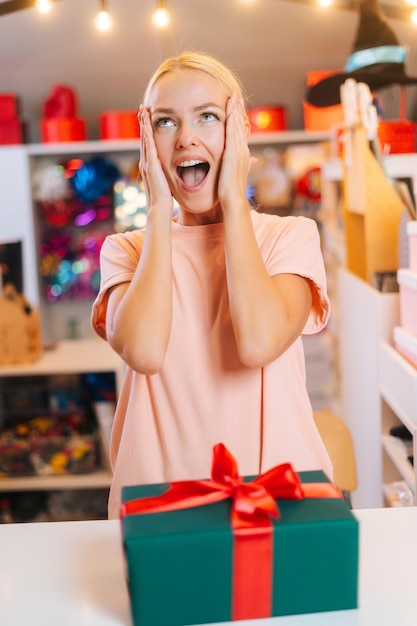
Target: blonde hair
[197,61]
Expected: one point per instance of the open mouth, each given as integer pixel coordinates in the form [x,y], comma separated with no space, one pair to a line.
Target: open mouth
[192,173]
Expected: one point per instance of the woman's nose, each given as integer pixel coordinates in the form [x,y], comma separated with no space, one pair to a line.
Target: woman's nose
[186,137]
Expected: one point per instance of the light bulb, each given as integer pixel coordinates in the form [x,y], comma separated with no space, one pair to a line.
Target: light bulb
[161,17]
[103,20]
[43,6]
[325,3]
[413,16]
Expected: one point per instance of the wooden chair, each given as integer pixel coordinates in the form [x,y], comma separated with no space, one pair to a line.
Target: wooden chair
[338,441]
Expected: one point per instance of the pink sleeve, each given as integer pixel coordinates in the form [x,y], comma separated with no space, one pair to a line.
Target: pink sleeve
[292,245]
[119,257]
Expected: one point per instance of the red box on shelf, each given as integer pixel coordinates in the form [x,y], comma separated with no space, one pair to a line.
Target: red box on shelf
[62,129]
[10,132]
[119,125]
[268,119]
[8,107]
[397,136]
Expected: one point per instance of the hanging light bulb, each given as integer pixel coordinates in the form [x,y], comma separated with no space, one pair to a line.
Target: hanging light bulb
[103,19]
[161,17]
[43,6]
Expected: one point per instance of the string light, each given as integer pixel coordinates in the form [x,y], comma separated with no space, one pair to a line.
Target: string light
[43,6]
[103,19]
[161,17]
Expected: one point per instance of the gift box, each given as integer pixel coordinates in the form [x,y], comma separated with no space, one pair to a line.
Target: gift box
[60,122]
[268,119]
[10,124]
[61,129]
[397,136]
[407,281]
[194,556]
[119,125]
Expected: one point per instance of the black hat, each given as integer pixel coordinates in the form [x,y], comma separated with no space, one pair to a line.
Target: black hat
[377,59]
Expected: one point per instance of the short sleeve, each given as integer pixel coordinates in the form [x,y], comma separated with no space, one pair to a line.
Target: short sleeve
[291,245]
[119,256]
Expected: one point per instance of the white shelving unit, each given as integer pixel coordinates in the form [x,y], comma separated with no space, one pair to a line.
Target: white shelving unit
[398,388]
[366,317]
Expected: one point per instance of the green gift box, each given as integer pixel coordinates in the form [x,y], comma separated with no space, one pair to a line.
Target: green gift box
[180,562]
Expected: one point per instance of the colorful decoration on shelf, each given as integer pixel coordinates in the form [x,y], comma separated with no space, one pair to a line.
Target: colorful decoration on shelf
[75,203]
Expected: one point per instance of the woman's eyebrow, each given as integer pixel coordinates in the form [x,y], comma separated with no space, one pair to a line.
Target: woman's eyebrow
[160,110]
[200,107]
[208,105]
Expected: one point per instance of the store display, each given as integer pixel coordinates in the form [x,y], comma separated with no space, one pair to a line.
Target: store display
[194,551]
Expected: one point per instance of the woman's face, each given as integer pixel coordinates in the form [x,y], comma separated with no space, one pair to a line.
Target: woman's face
[188,114]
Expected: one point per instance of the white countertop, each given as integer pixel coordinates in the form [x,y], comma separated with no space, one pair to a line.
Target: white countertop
[72,574]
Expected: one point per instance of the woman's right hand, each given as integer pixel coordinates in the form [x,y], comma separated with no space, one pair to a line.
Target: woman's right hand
[156,186]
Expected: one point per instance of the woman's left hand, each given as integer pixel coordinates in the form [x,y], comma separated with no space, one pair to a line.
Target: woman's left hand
[236,156]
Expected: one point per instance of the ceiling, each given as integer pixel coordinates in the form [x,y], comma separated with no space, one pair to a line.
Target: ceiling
[272,44]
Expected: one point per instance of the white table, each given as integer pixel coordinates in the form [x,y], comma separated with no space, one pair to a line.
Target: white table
[72,574]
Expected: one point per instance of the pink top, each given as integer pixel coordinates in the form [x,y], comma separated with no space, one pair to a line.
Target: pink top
[166,424]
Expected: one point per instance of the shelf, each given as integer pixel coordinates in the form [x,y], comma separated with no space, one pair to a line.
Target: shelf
[77,356]
[127,145]
[397,452]
[96,480]
[83,147]
[289,136]
[398,385]
[396,165]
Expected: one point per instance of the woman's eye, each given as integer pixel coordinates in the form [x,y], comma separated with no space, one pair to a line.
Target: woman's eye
[163,122]
[209,116]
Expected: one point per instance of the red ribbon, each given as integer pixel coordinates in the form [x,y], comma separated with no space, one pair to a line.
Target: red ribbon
[253,504]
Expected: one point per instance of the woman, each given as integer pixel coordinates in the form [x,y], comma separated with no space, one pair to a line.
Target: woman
[207,308]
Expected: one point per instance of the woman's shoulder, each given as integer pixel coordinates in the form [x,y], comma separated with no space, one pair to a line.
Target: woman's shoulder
[127,239]
[269,223]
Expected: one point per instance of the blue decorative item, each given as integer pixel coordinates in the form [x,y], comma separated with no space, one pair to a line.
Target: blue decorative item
[94,178]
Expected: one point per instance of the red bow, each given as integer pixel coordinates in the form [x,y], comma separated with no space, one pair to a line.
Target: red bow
[251,501]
